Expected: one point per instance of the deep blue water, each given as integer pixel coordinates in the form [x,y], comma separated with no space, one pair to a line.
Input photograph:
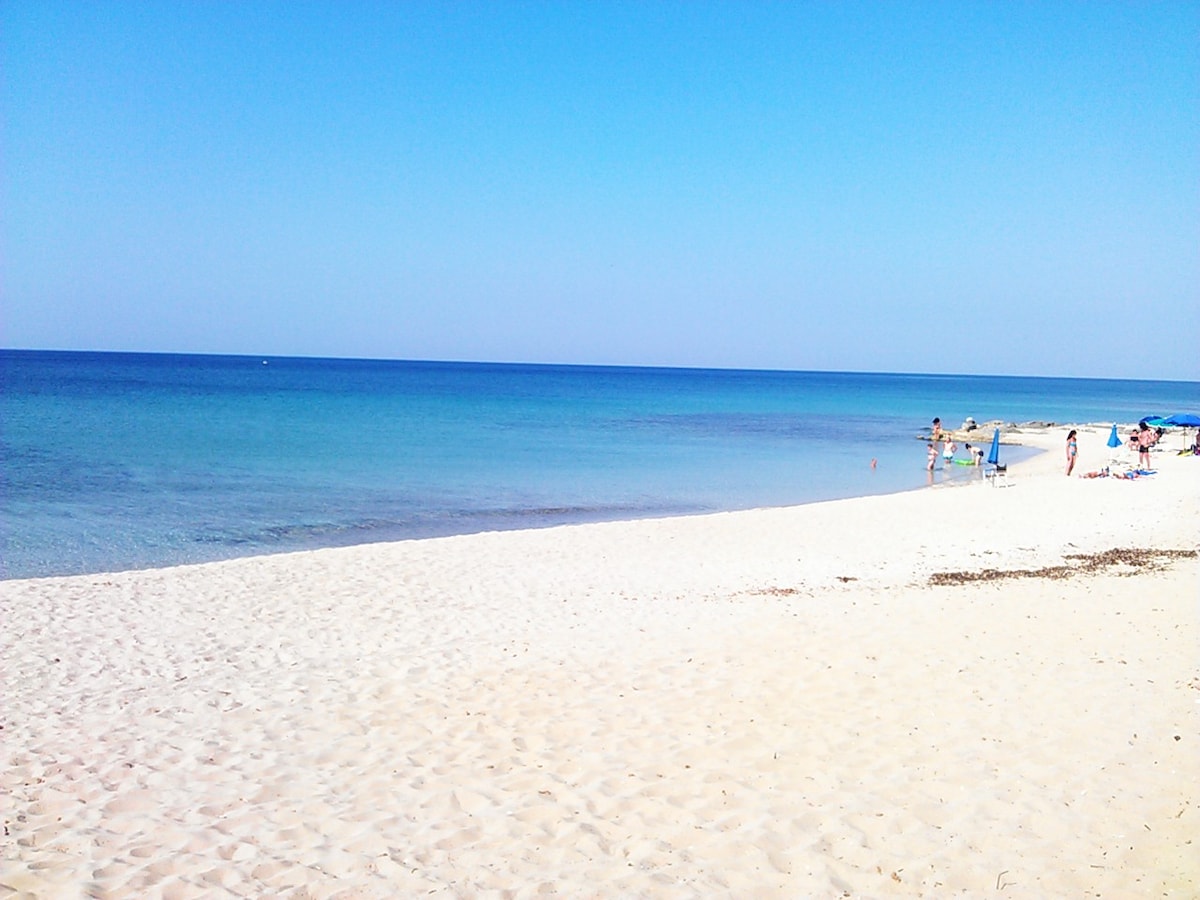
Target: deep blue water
[115,461]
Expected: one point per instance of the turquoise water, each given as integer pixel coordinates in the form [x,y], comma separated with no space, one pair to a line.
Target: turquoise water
[115,461]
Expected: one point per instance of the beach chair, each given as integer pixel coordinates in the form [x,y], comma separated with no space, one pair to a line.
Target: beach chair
[997,475]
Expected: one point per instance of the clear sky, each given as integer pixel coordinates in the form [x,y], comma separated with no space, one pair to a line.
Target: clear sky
[1007,188]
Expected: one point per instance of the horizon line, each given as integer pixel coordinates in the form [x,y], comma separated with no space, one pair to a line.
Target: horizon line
[267,357]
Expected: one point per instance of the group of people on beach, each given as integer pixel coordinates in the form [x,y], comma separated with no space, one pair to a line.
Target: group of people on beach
[1143,439]
[949,448]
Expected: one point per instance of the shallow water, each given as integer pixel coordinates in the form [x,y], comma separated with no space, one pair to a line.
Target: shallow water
[116,461]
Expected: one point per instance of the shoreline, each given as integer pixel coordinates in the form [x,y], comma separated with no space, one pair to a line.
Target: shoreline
[775,702]
[962,478]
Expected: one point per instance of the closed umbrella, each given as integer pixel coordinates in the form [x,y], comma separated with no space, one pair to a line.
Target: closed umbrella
[1114,442]
[994,457]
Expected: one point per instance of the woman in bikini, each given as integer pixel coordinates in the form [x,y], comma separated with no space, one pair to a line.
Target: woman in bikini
[1072,451]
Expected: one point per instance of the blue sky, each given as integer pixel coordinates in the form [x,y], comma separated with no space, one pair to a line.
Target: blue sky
[1006,188]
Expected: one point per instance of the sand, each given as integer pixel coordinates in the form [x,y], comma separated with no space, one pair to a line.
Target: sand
[840,699]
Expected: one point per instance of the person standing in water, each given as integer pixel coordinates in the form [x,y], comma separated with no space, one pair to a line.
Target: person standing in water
[948,450]
[1072,451]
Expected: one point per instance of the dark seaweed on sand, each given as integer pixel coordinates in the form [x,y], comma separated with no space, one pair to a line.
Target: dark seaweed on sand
[1135,559]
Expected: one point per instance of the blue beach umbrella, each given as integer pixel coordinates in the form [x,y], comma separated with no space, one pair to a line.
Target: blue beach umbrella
[994,457]
[1183,420]
[1114,442]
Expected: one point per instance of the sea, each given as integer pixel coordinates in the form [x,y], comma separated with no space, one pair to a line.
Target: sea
[113,461]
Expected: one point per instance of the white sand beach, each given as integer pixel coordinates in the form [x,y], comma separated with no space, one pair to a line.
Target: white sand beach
[821,701]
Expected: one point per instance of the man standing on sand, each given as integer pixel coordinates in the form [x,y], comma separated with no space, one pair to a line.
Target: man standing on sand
[1145,440]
